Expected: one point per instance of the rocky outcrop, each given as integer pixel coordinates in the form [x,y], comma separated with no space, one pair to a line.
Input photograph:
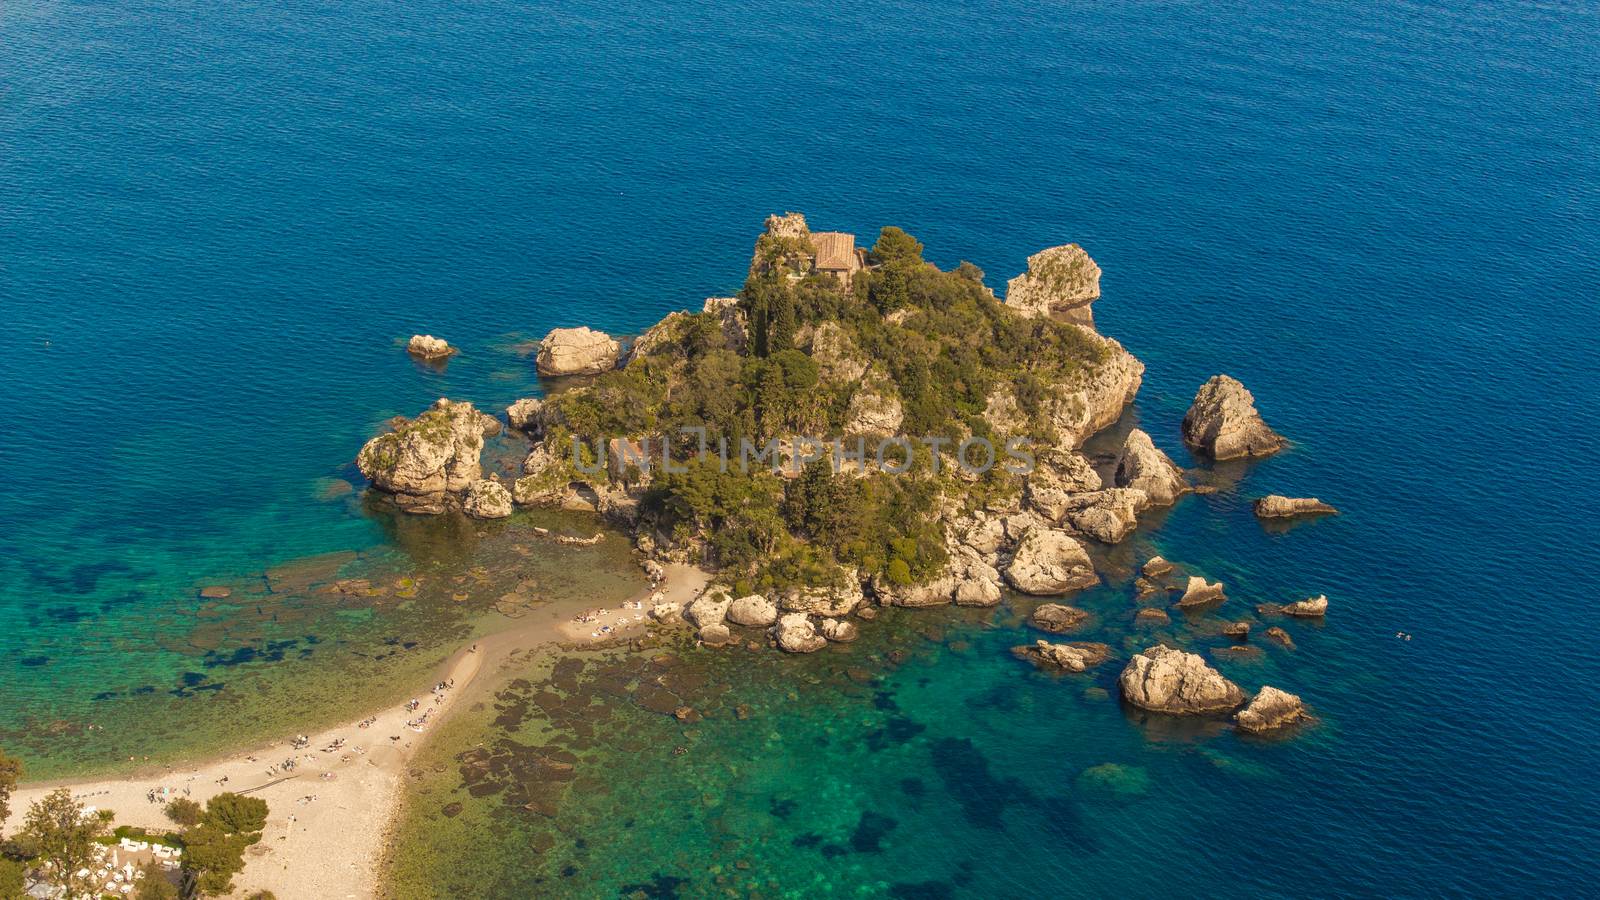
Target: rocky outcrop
[1061,281]
[1222,423]
[1167,680]
[710,608]
[795,633]
[577,351]
[1280,637]
[874,410]
[1140,465]
[754,611]
[716,634]
[487,499]
[426,346]
[1057,618]
[547,476]
[967,580]
[735,330]
[1050,561]
[1312,608]
[1075,657]
[836,356]
[1082,403]
[1200,592]
[662,337]
[1156,566]
[1275,506]
[1108,516]
[1237,630]
[839,631]
[1058,475]
[1270,710]
[824,600]
[526,415]
[426,460]
[667,612]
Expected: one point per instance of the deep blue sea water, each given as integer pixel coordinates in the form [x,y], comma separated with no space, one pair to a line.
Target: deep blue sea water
[218,220]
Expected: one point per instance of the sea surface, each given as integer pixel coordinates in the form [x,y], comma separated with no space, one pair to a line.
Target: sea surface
[219,222]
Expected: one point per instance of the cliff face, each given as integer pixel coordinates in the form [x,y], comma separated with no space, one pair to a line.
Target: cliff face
[1061,281]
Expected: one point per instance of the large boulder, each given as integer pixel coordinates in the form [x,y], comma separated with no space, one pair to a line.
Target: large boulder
[1276,506]
[1061,281]
[754,611]
[1270,710]
[1057,618]
[527,415]
[424,461]
[1312,608]
[1167,680]
[1141,465]
[426,346]
[710,608]
[487,499]
[547,477]
[840,631]
[795,633]
[1058,475]
[1108,516]
[1074,657]
[824,600]
[1222,423]
[1199,592]
[577,351]
[1050,561]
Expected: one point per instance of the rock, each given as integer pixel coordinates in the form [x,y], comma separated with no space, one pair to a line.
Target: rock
[1270,710]
[1156,566]
[1049,561]
[1199,592]
[1145,588]
[1074,657]
[1275,506]
[735,334]
[1222,423]
[1152,618]
[1057,618]
[487,499]
[966,580]
[1108,516]
[424,460]
[710,608]
[1237,630]
[686,713]
[1308,609]
[874,411]
[1061,280]
[1140,465]
[525,415]
[665,335]
[577,351]
[426,346]
[716,634]
[1281,637]
[868,613]
[1167,680]
[1114,781]
[836,356]
[548,476]
[216,592]
[826,600]
[754,611]
[839,630]
[1057,476]
[1081,404]
[667,612]
[795,633]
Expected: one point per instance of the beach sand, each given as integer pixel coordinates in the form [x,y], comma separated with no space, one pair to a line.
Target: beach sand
[330,845]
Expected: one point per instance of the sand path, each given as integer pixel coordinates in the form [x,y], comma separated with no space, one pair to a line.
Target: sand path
[330,812]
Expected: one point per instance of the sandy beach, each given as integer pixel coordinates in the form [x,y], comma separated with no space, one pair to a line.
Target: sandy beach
[331,810]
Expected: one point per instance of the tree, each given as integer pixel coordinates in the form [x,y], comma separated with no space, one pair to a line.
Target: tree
[184,811]
[237,814]
[65,835]
[10,774]
[13,880]
[213,850]
[155,884]
[896,246]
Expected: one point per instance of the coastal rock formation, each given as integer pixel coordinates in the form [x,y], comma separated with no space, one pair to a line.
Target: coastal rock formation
[1074,657]
[1050,561]
[1237,630]
[1108,516]
[967,580]
[1270,710]
[874,411]
[836,356]
[1140,465]
[839,631]
[577,351]
[1080,404]
[1057,618]
[1167,680]
[426,459]
[664,336]
[825,600]
[715,633]
[487,499]
[525,415]
[1275,506]
[1057,476]
[795,633]
[754,611]
[1200,592]
[710,608]
[426,346]
[1062,281]
[735,329]
[1152,618]
[1312,608]
[1222,423]
[1281,637]
[1156,566]
[667,612]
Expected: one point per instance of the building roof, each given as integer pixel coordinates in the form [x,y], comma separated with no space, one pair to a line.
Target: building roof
[836,250]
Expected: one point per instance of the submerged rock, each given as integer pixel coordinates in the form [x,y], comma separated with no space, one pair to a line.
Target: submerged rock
[1074,657]
[427,459]
[716,634]
[1114,781]
[1050,561]
[1281,637]
[426,346]
[1222,423]
[1200,592]
[1141,465]
[1156,566]
[1152,617]
[1270,710]
[1057,618]
[577,351]
[1168,680]
[487,499]
[1061,281]
[795,633]
[1276,506]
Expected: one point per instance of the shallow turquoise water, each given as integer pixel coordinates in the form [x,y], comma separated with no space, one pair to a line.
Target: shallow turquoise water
[215,224]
